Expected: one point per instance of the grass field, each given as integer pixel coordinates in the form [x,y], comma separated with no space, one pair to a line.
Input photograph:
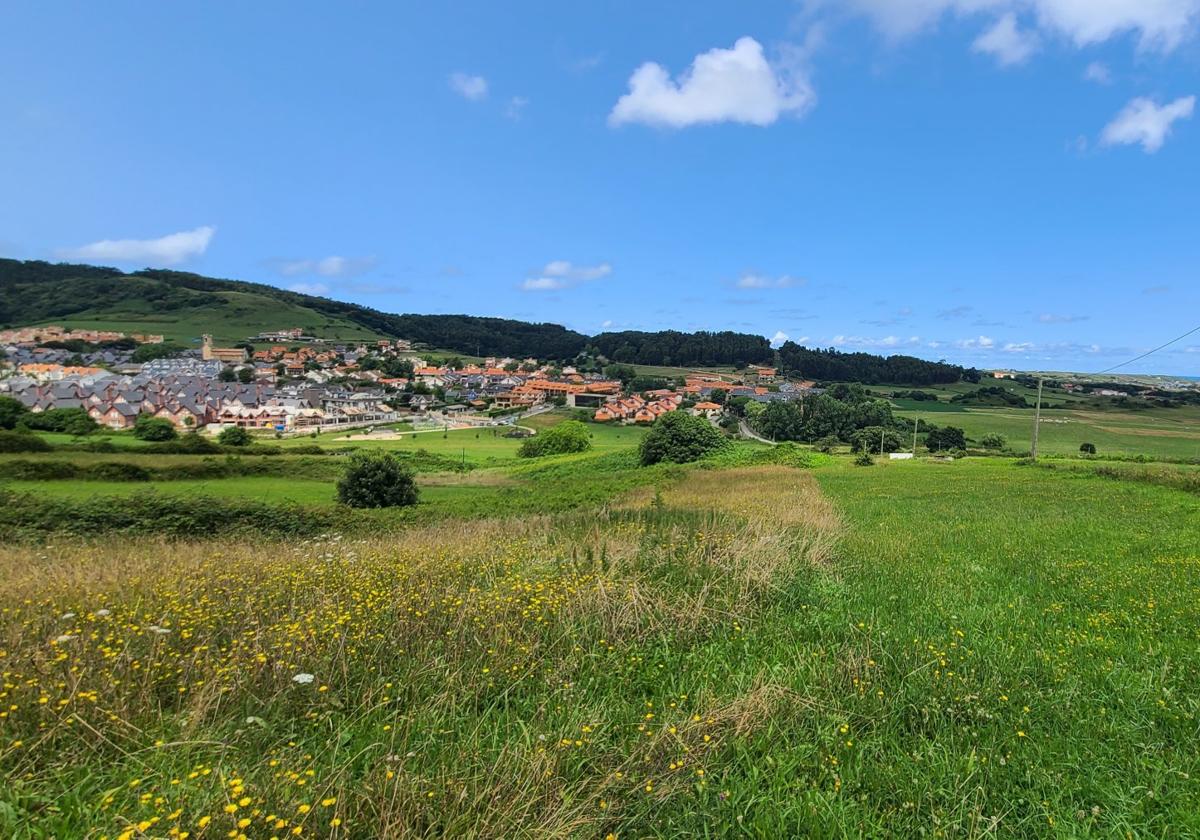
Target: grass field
[971,649]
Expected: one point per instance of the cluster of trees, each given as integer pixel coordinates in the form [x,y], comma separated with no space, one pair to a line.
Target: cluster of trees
[673,348]
[377,479]
[991,396]
[680,438]
[71,421]
[834,365]
[567,436]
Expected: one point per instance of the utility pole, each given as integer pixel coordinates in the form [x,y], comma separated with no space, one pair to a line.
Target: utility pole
[1037,420]
[881,431]
[916,423]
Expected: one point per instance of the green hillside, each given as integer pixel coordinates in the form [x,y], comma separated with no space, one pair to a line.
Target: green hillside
[182,306]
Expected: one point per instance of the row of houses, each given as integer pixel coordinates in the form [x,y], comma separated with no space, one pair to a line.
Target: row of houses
[638,409]
[191,402]
[52,332]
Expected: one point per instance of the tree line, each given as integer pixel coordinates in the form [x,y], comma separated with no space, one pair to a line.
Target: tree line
[835,366]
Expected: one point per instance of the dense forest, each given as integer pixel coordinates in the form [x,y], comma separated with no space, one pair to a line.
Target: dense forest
[683,349]
[835,366]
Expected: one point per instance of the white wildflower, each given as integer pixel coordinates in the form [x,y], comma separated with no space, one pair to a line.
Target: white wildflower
[302,679]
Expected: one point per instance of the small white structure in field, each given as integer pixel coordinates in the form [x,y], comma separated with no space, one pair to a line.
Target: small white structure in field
[900,456]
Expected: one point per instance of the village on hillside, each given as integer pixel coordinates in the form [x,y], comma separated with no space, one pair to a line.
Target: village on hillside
[301,384]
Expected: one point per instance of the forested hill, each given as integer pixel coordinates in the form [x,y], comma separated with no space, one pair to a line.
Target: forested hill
[182,306]
[37,292]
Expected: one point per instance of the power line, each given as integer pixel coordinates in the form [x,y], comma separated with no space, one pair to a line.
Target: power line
[1149,352]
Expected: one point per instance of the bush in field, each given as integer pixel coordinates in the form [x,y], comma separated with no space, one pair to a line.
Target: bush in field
[22,442]
[376,480]
[993,441]
[679,437]
[946,438]
[12,412]
[828,443]
[120,471]
[864,459]
[193,443]
[154,428]
[568,436]
[1087,448]
[234,436]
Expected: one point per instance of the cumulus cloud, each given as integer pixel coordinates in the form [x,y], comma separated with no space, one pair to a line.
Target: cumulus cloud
[1007,42]
[171,249]
[1097,72]
[469,87]
[327,266]
[779,338]
[1144,122]
[980,343]
[1158,24]
[722,85]
[762,281]
[561,274]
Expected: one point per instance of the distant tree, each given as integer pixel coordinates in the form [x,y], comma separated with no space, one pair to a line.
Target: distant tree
[718,395]
[154,428]
[945,438]
[12,412]
[245,375]
[227,374]
[72,421]
[679,437]
[234,436]
[645,383]
[377,479]
[150,352]
[1087,448]
[827,444]
[868,440]
[624,373]
[993,441]
[567,436]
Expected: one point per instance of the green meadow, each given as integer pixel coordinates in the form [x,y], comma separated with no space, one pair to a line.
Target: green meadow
[768,643]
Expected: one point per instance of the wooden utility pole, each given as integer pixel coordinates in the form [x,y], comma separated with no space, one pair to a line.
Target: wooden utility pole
[1037,420]
[916,423]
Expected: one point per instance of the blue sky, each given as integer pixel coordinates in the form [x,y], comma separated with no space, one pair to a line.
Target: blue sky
[1007,183]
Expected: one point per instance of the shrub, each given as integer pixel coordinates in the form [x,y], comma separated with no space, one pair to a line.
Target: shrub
[193,443]
[828,443]
[946,438]
[119,471]
[22,442]
[154,428]
[234,436]
[679,437]
[12,412]
[1087,448]
[864,459]
[375,480]
[993,441]
[72,421]
[567,436]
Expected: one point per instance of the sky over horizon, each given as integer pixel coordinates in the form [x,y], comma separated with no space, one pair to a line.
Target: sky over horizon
[1000,183]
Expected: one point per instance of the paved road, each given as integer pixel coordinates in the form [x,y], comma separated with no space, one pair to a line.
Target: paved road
[745,429]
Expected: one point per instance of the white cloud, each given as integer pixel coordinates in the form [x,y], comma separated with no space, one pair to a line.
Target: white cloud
[722,85]
[1018,347]
[1158,24]
[980,343]
[761,281]
[171,249]
[309,288]
[516,106]
[1007,42]
[468,86]
[779,338]
[561,274]
[884,343]
[328,266]
[1145,122]
[1051,318]
[1097,72]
